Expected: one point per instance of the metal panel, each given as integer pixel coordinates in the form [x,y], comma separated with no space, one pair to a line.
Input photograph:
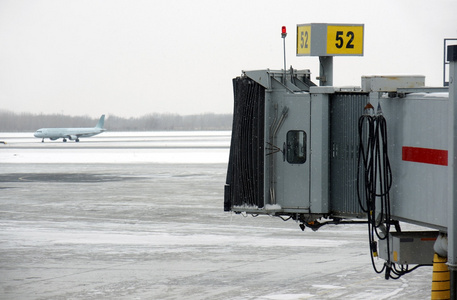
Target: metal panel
[285,112]
[345,109]
[294,177]
[319,158]
[391,83]
[418,135]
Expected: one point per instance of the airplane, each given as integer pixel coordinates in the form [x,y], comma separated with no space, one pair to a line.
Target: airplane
[70,133]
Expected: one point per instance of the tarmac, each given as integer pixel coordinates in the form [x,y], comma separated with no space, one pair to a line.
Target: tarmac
[158,231]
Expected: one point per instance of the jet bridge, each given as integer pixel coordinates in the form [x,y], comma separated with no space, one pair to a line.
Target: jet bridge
[378,154]
[302,155]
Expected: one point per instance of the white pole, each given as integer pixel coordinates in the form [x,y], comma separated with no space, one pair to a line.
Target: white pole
[452,211]
[283,35]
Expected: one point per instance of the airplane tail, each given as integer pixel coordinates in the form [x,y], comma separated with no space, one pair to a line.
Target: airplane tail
[101,122]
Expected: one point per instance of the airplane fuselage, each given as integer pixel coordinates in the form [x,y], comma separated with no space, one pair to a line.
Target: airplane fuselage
[70,133]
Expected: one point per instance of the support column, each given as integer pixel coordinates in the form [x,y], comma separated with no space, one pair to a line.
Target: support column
[325,71]
[452,208]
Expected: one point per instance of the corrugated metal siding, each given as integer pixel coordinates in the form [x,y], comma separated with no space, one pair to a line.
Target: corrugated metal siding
[345,110]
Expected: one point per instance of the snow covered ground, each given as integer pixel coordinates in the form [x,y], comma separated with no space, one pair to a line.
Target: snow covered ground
[120,147]
[140,216]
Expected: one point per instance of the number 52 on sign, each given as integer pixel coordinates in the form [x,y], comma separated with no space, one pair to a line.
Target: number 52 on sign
[318,39]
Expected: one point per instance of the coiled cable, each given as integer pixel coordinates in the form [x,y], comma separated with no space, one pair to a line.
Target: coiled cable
[374,176]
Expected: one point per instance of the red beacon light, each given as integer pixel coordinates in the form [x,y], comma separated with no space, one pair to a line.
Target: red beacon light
[283,32]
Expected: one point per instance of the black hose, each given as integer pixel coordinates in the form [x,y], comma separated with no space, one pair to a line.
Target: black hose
[374,174]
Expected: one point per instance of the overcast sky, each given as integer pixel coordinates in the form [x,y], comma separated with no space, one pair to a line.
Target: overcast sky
[131,58]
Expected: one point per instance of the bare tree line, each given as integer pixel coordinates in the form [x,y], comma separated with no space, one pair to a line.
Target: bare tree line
[17,122]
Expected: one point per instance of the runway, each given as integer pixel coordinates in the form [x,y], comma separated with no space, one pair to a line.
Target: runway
[104,227]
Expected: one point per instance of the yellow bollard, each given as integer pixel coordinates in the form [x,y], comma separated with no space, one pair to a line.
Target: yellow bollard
[441,279]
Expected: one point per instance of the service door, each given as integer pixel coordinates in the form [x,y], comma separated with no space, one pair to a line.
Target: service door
[294,136]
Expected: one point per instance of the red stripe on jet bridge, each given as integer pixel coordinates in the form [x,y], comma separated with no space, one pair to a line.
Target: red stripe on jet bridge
[425,155]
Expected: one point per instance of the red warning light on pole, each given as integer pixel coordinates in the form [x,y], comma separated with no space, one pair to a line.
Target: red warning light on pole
[283,32]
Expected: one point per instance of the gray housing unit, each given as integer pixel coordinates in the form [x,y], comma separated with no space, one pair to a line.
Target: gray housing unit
[310,149]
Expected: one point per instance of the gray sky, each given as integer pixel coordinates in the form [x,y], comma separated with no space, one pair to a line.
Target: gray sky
[131,58]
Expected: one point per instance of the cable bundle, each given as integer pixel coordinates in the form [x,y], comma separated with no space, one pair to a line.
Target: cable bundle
[374,174]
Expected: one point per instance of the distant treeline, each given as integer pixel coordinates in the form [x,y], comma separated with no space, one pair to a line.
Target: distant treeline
[16,122]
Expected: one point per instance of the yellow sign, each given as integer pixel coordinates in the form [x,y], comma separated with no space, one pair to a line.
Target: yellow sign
[303,40]
[322,39]
[345,40]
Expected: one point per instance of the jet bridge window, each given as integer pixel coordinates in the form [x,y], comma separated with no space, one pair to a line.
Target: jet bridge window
[296,147]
